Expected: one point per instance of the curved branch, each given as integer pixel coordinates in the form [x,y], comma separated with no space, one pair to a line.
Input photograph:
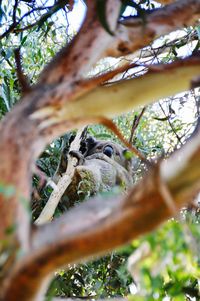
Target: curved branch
[64,181]
[58,103]
[75,60]
[104,224]
[125,95]
[133,33]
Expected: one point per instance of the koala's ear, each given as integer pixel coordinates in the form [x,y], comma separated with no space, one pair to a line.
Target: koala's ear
[91,141]
[127,154]
[71,138]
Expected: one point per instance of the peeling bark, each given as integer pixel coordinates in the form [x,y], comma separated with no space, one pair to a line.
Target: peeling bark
[133,33]
[99,229]
[133,92]
[64,99]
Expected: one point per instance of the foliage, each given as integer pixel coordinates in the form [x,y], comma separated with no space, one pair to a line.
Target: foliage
[171,268]
[101,278]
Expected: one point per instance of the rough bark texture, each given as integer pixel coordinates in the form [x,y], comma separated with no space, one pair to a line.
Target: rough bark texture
[47,111]
[99,230]
[174,16]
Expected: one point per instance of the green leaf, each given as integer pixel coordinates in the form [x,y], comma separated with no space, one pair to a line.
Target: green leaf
[127,154]
[101,12]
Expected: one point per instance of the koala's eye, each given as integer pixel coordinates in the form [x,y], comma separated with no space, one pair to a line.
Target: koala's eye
[108,151]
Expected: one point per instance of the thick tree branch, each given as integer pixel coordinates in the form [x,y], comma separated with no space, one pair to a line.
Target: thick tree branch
[75,60]
[133,92]
[134,34]
[104,224]
[63,100]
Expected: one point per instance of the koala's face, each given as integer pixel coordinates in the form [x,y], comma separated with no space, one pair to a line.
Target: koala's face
[110,149]
[97,172]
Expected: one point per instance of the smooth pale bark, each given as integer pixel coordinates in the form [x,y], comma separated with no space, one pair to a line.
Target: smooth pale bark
[62,100]
[49,209]
[101,224]
[133,34]
[125,95]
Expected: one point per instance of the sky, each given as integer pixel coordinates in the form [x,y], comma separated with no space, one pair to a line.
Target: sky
[76,16]
[75,19]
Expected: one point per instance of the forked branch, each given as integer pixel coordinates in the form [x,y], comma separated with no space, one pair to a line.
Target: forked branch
[100,225]
[62,100]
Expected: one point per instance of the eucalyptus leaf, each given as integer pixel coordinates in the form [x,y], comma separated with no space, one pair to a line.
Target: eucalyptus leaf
[101,12]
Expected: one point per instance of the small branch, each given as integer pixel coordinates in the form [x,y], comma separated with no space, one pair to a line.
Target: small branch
[51,11]
[14,27]
[165,48]
[135,124]
[14,12]
[65,180]
[165,1]
[171,125]
[23,81]
[99,225]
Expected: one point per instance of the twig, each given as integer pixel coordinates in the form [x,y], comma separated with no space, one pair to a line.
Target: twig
[23,81]
[14,27]
[135,124]
[171,125]
[14,12]
[110,124]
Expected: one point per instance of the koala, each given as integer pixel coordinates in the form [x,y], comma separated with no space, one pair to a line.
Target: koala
[101,165]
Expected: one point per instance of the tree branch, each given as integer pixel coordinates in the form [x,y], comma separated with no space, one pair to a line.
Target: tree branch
[65,180]
[135,124]
[23,81]
[134,34]
[63,100]
[134,92]
[51,10]
[75,60]
[104,224]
